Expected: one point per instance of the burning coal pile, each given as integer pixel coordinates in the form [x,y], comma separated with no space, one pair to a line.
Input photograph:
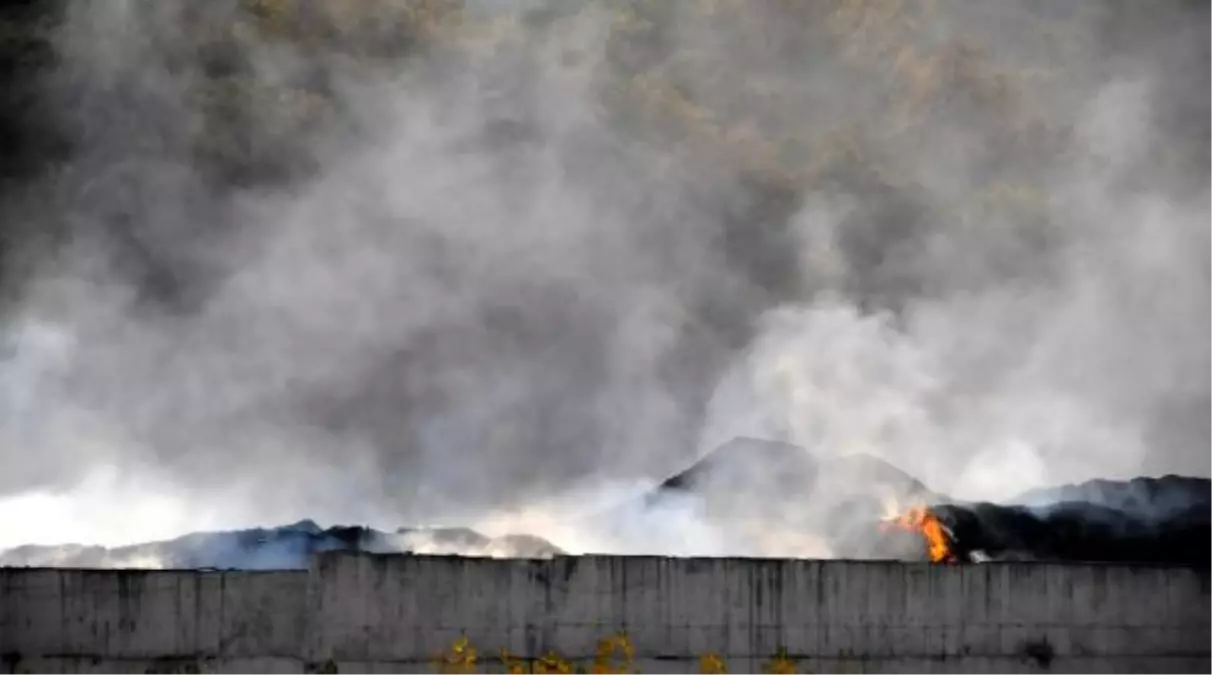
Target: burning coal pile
[892,515]
[509,265]
[1144,520]
[752,498]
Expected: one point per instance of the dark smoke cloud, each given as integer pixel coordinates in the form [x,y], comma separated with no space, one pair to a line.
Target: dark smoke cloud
[397,278]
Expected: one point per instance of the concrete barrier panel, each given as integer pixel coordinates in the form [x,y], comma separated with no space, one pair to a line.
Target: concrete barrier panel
[834,614]
[89,619]
[401,613]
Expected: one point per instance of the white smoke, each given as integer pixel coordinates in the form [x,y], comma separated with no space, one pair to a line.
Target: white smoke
[983,394]
[481,301]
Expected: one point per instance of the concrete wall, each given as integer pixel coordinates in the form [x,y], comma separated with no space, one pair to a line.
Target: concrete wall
[62,620]
[397,613]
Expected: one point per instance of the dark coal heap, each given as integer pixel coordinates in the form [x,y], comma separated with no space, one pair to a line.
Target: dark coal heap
[755,488]
[286,547]
[1145,520]
[277,548]
[1166,520]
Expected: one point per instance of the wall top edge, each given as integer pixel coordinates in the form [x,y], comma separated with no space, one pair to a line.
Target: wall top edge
[759,561]
[622,559]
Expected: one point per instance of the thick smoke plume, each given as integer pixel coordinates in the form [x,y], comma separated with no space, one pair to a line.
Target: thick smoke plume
[496,263]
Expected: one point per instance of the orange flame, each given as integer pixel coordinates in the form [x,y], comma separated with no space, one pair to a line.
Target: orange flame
[931,529]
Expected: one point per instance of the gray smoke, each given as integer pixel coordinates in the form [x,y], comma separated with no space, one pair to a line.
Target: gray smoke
[497,268]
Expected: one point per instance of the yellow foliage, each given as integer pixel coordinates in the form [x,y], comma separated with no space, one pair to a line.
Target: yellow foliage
[460,658]
[551,663]
[512,664]
[617,645]
[614,654]
[712,663]
[780,664]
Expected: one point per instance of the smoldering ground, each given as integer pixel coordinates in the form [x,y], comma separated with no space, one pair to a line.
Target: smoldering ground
[419,264]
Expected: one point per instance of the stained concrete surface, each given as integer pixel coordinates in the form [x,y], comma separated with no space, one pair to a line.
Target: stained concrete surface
[393,613]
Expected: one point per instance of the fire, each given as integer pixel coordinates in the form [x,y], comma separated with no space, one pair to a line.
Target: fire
[920,520]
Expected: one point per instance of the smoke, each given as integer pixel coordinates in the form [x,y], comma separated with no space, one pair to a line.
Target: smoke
[1022,349]
[485,266]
